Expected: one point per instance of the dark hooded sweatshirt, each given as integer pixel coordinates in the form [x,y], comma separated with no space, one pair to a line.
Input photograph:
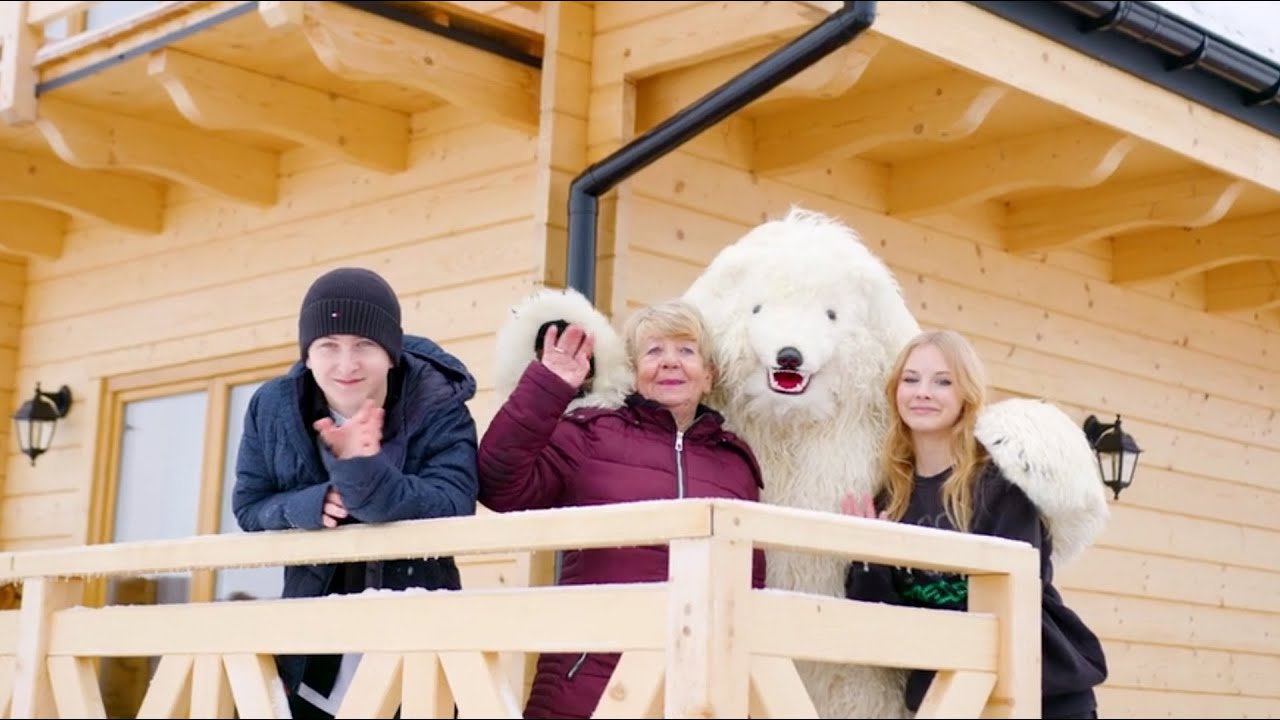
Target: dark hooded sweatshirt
[425,469]
[1073,662]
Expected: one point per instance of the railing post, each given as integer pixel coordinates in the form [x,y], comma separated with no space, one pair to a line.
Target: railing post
[708,662]
[18,43]
[41,598]
[1015,601]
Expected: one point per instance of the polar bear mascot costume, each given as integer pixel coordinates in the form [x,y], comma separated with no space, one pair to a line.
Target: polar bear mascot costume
[805,324]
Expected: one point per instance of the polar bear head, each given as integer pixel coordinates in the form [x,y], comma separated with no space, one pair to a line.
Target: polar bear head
[805,322]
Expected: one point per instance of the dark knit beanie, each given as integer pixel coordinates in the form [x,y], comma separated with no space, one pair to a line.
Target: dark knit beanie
[351,301]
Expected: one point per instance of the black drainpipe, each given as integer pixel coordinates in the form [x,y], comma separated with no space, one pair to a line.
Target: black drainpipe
[832,33]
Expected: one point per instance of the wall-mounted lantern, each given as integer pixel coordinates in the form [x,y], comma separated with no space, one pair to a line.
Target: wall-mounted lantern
[1116,450]
[34,423]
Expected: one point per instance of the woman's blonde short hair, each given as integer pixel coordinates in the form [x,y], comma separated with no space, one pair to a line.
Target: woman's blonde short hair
[675,319]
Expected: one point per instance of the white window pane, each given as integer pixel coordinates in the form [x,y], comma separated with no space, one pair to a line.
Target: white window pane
[158,486]
[110,12]
[56,30]
[240,583]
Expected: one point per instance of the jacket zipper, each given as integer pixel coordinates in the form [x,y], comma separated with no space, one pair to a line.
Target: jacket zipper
[679,464]
[577,665]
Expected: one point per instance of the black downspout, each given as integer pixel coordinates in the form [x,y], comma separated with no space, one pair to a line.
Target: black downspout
[835,31]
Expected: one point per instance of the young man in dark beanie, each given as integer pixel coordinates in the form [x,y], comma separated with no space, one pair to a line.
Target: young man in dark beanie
[370,426]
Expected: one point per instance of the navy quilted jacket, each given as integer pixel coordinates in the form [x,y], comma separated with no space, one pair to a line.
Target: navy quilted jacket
[426,469]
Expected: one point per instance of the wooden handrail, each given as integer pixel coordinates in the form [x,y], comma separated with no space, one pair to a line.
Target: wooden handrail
[696,645]
[641,523]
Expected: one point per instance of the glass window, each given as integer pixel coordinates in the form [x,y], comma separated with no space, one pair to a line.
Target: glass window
[161,444]
[106,13]
[246,583]
[158,491]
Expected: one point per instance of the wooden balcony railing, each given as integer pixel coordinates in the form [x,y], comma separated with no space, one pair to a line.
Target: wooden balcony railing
[701,644]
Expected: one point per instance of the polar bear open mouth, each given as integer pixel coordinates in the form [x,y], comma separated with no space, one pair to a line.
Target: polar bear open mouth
[788,382]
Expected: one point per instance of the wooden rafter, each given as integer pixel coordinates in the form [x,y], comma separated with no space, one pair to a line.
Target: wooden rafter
[31,231]
[216,96]
[363,47]
[1073,157]
[697,34]
[830,77]
[944,108]
[1247,286]
[121,200]
[1171,254]
[18,44]
[1185,199]
[92,138]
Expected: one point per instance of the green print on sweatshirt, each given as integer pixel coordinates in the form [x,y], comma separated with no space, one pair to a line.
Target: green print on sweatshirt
[941,592]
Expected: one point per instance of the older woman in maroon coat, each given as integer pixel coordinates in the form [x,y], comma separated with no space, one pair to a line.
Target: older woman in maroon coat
[662,444]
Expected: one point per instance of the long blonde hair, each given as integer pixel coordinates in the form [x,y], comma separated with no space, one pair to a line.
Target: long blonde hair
[897,460]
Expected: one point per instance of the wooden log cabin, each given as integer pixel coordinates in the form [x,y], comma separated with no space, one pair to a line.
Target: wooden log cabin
[1089,190]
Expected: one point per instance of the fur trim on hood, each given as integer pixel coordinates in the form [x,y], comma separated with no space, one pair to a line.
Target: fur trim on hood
[1041,450]
[613,379]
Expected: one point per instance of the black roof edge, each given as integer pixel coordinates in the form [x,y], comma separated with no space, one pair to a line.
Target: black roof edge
[1162,48]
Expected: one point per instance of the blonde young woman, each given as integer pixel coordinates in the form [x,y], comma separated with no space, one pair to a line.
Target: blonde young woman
[937,474]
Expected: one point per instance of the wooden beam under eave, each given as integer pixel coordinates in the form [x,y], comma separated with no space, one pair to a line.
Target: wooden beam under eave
[1185,199]
[697,34]
[31,231]
[18,44]
[364,47]
[120,200]
[96,139]
[1073,157]
[945,108]
[1243,287]
[1173,254]
[830,77]
[217,96]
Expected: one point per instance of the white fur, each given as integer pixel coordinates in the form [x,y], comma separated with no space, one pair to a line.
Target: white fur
[816,446]
[515,341]
[1040,449]
[772,289]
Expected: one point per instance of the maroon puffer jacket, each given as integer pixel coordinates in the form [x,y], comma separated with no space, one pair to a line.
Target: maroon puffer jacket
[534,456]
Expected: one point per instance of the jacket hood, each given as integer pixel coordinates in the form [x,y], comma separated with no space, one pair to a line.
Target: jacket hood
[436,374]
[455,381]
[613,379]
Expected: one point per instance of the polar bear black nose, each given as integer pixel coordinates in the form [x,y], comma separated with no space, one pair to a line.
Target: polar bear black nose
[790,358]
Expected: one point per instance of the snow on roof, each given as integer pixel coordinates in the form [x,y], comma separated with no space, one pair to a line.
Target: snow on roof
[1254,26]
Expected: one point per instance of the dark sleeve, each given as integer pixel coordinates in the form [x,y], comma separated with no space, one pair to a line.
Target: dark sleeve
[438,479]
[1007,512]
[871,582]
[758,568]
[257,501]
[527,452]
